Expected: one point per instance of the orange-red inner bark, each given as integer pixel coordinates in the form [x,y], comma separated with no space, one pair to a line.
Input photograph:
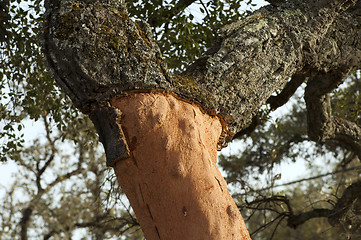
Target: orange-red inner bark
[171,178]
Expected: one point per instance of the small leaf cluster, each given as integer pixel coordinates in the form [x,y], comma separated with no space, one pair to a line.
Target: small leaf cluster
[347,100]
[27,92]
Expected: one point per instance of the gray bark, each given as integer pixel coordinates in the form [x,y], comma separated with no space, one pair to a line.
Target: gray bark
[96,51]
[321,125]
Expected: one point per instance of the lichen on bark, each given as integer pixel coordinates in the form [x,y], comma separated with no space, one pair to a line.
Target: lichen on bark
[96,52]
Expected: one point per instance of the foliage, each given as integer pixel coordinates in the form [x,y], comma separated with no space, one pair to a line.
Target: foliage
[65,188]
[350,97]
[26,90]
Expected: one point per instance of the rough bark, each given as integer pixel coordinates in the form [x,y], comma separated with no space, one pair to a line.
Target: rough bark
[321,124]
[97,52]
[101,58]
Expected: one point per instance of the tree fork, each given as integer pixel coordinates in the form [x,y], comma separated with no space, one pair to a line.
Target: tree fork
[163,149]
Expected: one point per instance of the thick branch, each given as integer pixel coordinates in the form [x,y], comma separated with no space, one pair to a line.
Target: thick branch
[296,220]
[97,52]
[257,55]
[321,125]
[344,213]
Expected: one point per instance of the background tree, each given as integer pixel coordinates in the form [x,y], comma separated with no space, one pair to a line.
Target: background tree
[322,189]
[57,192]
[24,77]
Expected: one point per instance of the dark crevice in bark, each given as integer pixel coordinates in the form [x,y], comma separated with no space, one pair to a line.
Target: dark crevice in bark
[287,92]
[256,121]
[156,229]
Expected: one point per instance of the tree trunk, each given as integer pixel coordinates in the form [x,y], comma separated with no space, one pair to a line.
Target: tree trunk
[171,178]
[161,131]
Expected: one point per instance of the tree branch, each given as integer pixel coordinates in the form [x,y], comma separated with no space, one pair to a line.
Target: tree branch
[97,52]
[224,63]
[296,220]
[264,226]
[303,180]
[347,208]
[256,121]
[287,92]
[49,234]
[24,222]
[27,212]
[321,125]
[346,211]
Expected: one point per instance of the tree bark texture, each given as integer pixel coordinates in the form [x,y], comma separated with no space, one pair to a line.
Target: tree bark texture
[103,59]
[97,52]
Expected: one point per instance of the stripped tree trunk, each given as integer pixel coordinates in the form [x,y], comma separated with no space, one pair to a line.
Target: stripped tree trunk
[171,177]
[161,131]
